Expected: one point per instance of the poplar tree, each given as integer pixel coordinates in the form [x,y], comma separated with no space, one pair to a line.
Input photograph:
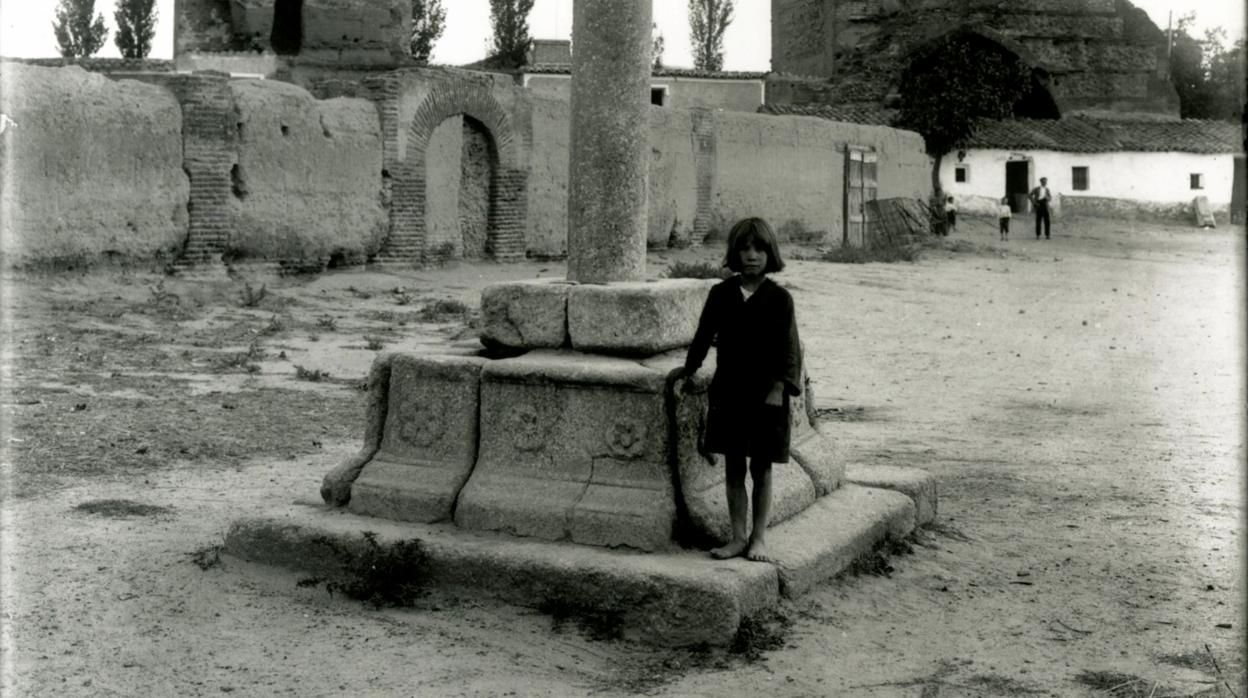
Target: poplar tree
[656,47]
[708,20]
[510,20]
[80,32]
[136,26]
[428,21]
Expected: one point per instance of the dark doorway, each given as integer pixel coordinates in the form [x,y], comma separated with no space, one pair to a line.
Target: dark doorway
[287,36]
[478,163]
[1017,184]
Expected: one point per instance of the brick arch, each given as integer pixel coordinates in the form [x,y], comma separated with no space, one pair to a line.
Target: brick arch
[506,223]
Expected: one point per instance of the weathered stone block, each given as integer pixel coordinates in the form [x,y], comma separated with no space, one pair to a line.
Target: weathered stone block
[645,317]
[525,314]
[827,537]
[429,444]
[573,447]
[919,485]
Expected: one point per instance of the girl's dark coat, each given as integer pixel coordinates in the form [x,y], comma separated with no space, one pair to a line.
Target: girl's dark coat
[756,345]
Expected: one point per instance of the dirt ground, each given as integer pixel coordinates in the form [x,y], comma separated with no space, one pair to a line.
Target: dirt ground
[1080,399]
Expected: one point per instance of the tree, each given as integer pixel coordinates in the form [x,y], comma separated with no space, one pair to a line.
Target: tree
[656,47]
[428,21]
[510,20]
[708,19]
[954,81]
[136,26]
[1208,76]
[80,32]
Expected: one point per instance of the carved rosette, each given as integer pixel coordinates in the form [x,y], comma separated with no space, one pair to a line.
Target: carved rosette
[527,428]
[422,424]
[627,438]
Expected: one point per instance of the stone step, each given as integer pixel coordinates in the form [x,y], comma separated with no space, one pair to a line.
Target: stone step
[671,598]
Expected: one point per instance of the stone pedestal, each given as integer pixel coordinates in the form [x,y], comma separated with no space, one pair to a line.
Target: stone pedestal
[429,443]
[573,447]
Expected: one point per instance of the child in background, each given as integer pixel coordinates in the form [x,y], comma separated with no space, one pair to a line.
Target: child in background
[951,215]
[1003,215]
[758,366]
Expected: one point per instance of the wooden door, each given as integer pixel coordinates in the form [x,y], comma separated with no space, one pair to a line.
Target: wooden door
[861,186]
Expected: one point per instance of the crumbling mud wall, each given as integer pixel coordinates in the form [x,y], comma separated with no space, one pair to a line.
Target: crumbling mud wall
[340,31]
[92,168]
[790,170]
[308,181]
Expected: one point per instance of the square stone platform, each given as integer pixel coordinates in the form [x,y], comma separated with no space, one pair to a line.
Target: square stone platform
[673,598]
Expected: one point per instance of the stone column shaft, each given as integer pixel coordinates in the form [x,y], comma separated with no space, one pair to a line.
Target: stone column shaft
[609,140]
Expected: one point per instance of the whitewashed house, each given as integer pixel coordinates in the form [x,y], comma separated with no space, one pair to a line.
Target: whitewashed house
[1098,166]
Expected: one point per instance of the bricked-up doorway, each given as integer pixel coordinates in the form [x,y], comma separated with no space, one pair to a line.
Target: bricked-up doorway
[287,36]
[493,175]
[477,164]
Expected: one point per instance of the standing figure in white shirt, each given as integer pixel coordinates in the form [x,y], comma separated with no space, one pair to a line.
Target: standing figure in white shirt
[1040,198]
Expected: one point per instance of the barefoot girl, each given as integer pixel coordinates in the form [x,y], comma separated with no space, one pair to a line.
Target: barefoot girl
[758,366]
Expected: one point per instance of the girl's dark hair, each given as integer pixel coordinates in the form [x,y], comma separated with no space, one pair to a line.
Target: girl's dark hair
[753,230]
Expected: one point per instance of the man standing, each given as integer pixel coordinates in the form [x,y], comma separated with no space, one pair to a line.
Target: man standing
[1040,197]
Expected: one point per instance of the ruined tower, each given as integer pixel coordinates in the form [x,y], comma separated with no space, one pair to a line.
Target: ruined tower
[1095,57]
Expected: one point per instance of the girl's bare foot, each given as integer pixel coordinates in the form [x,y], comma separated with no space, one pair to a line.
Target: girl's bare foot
[758,552]
[733,549]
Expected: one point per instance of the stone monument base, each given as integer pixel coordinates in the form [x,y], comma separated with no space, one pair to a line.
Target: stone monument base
[672,598]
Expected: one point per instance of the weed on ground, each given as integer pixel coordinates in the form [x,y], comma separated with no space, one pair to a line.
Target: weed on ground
[383,575]
[697,270]
[121,508]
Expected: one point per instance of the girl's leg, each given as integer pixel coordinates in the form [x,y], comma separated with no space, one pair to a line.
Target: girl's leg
[738,505]
[760,471]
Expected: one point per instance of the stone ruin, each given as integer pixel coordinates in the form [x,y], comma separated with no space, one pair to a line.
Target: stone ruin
[1094,57]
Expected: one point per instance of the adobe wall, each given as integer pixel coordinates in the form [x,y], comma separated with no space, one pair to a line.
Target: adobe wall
[339,31]
[308,177]
[790,170]
[93,167]
[682,92]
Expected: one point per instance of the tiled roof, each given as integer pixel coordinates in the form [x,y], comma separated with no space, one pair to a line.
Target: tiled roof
[1081,134]
[853,113]
[566,69]
[1077,134]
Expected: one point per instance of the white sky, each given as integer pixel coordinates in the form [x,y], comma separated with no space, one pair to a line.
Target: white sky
[26,28]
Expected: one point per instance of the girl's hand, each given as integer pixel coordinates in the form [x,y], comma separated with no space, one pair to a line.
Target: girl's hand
[775,398]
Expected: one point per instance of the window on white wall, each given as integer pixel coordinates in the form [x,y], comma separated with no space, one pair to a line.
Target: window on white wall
[1198,180]
[1079,178]
[962,173]
[658,95]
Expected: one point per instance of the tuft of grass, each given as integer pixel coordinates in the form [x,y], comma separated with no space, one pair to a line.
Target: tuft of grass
[759,634]
[848,254]
[251,297]
[207,557]
[325,322]
[697,270]
[595,623]
[275,326]
[120,508]
[440,253]
[443,310]
[374,343]
[312,375]
[362,295]
[1120,685]
[876,562]
[381,575]
[402,297]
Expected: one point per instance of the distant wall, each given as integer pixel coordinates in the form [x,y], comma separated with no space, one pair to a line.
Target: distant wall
[308,177]
[710,168]
[681,92]
[790,170]
[93,167]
